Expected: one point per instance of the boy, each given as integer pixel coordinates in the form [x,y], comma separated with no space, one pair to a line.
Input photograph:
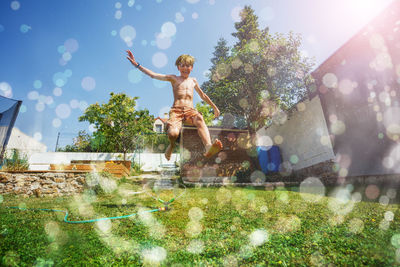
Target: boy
[182,109]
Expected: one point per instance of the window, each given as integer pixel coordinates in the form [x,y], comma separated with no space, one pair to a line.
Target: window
[158,128]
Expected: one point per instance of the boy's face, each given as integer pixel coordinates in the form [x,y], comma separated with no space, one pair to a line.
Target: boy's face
[185,69]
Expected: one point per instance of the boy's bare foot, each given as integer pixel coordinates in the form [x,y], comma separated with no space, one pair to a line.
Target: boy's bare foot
[168,152]
[214,149]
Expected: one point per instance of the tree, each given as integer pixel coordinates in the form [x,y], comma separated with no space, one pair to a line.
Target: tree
[263,76]
[246,28]
[82,142]
[117,123]
[206,111]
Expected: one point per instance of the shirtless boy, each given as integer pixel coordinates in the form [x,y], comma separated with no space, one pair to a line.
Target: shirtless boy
[182,109]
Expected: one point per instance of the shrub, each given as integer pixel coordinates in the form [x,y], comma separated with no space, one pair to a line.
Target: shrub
[17,162]
[136,169]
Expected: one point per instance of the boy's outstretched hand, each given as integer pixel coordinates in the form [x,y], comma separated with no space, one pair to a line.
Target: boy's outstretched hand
[216,112]
[131,58]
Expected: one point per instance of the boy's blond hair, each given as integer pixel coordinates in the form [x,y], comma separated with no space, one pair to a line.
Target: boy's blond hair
[184,59]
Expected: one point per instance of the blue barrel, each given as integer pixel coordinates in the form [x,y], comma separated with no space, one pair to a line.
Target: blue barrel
[274,159]
[262,153]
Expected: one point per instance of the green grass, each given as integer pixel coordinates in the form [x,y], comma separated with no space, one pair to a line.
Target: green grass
[204,227]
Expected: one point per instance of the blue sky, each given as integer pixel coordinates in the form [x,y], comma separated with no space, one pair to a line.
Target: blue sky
[58,57]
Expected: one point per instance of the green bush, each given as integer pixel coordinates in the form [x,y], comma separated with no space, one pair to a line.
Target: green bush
[17,162]
[136,169]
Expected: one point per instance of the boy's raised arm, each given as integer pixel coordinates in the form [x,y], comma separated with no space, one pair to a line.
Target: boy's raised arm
[152,74]
[206,99]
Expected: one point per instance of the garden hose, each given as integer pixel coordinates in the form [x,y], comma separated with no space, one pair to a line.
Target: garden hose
[165,208]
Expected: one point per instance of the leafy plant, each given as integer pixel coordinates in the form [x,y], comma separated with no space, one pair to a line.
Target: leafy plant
[17,162]
[136,169]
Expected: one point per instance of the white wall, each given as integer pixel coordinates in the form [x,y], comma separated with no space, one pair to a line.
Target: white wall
[149,161]
[24,143]
[304,134]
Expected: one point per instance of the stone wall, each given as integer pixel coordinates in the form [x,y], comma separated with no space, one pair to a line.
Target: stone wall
[42,183]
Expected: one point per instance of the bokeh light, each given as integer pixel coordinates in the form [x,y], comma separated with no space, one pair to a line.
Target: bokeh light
[74,103]
[372,191]
[22,109]
[338,127]
[168,29]
[330,80]
[195,15]
[235,13]
[179,18]
[63,111]
[356,225]
[294,159]
[131,3]
[195,246]
[195,214]
[258,237]
[71,45]
[163,41]
[154,255]
[40,106]
[278,139]
[57,91]
[25,28]
[56,123]
[60,79]
[37,84]
[33,95]
[159,59]
[395,240]
[346,86]
[127,34]
[194,228]
[312,189]
[257,177]
[118,14]
[15,5]
[192,1]
[5,89]
[88,83]
[135,76]
[37,136]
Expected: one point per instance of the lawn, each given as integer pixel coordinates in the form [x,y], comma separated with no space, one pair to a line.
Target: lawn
[227,226]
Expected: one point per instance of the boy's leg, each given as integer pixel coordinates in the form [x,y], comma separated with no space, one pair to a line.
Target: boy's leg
[174,125]
[202,129]
[173,133]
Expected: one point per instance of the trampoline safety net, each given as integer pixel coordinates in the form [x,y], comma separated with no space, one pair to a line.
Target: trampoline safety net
[9,109]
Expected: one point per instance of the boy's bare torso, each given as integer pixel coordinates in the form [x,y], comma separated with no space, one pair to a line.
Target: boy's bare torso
[183,91]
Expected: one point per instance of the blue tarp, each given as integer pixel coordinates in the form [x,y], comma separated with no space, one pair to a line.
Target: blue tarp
[269,158]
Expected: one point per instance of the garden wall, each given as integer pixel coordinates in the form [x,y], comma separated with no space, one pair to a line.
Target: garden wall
[149,161]
[42,183]
[195,167]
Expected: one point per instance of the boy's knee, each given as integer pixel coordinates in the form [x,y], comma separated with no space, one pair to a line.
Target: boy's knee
[199,121]
[173,133]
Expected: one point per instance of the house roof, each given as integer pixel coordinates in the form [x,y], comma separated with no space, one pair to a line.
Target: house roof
[378,20]
[164,120]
